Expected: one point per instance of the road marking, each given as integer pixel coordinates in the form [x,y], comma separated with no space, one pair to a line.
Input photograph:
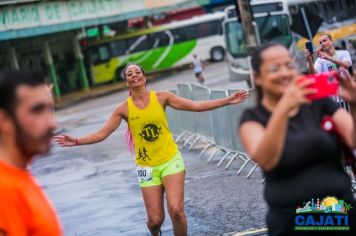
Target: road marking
[255,232]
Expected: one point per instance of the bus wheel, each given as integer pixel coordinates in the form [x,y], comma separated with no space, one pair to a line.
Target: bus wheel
[217,54]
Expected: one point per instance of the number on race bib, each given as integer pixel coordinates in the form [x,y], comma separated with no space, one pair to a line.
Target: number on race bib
[144,173]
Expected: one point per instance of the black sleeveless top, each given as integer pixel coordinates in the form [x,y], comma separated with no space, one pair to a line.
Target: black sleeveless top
[310,165]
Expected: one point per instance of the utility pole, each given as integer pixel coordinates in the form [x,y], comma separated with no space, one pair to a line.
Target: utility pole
[247,24]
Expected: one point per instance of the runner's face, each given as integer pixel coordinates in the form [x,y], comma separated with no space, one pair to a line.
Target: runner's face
[34,121]
[134,77]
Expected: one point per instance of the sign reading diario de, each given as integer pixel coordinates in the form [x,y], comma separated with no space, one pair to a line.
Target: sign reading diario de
[57,12]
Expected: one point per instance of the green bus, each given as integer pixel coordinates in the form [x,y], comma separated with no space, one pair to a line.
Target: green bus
[158,48]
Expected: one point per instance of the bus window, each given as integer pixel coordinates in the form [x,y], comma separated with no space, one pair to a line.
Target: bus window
[235,39]
[104,53]
[197,31]
[207,29]
[161,39]
[219,27]
[99,54]
[274,29]
[184,34]
[118,48]
[139,44]
[94,56]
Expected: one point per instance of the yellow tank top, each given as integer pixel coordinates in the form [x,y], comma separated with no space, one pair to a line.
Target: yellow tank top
[153,140]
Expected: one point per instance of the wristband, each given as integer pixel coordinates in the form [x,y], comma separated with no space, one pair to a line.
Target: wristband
[76,142]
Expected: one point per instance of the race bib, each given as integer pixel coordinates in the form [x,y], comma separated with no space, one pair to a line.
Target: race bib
[144,173]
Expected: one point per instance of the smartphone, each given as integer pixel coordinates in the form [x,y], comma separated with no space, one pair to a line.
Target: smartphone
[326,84]
[351,70]
[309,46]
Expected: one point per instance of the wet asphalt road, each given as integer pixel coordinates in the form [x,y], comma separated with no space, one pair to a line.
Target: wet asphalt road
[94,188]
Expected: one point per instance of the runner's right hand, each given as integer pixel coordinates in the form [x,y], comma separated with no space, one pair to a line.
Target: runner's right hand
[65,140]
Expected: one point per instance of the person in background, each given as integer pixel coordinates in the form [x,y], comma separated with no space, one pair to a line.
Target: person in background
[198,68]
[286,136]
[328,58]
[353,44]
[159,165]
[26,128]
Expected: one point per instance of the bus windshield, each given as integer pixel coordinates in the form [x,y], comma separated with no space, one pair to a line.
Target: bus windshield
[272,28]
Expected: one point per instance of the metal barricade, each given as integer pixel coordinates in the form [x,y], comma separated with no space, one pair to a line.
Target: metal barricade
[187,119]
[230,117]
[241,155]
[234,113]
[173,117]
[217,128]
[203,123]
[220,127]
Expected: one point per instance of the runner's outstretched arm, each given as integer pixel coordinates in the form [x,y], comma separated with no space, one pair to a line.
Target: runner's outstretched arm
[180,103]
[110,126]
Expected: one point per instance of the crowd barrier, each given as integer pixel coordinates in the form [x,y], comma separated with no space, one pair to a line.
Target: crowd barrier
[188,128]
[214,130]
[174,123]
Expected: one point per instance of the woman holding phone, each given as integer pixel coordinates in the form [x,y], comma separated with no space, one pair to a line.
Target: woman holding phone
[286,135]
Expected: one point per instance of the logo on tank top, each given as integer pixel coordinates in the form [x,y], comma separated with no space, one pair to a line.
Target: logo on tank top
[150,132]
[142,155]
[134,118]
